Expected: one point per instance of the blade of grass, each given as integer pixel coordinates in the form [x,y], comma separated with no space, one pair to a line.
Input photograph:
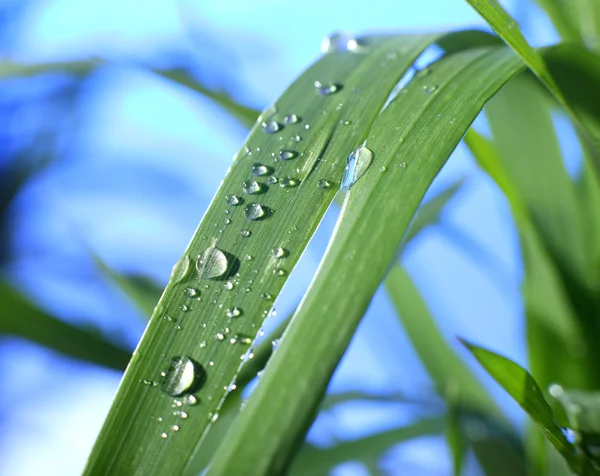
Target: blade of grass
[430,118]
[312,460]
[561,16]
[526,392]
[132,441]
[18,317]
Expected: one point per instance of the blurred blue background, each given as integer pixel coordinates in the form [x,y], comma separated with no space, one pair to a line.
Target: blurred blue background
[134,162]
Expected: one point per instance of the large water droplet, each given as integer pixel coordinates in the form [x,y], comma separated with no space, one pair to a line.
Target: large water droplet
[258,170]
[255,211]
[270,127]
[233,200]
[181,269]
[327,89]
[359,161]
[182,376]
[287,154]
[291,119]
[212,263]
[252,187]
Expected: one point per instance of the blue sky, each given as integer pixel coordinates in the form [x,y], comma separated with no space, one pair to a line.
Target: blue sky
[143,159]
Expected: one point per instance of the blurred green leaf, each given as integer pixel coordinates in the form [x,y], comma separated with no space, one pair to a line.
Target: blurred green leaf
[312,461]
[526,392]
[19,318]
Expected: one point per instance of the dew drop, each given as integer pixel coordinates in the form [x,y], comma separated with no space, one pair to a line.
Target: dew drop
[272,179]
[331,43]
[402,165]
[275,344]
[345,122]
[212,263]
[233,200]
[252,187]
[228,285]
[287,154]
[219,336]
[258,170]
[324,184]
[181,269]
[235,312]
[279,272]
[247,258]
[175,428]
[291,119]
[245,233]
[191,400]
[429,88]
[296,138]
[190,292]
[182,376]
[327,89]
[184,308]
[279,253]
[355,45]
[358,163]
[164,435]
[289,182]
[267,296]
[270,127]
[255,211]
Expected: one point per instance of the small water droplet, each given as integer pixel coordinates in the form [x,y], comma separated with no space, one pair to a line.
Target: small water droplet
[245,233]
[289,182]
[279,272]
[358,163]
[307,126]
[235,312]
[212,263]
[175,428]
[164,435]
[327,89]
[279,253]
[233,200]
[267,296]
[219,336]
[227,221]
[252,187]
[203,344]
[182,376]
[272,179]
[296,138]
[247,258]
[291,119]
[355,45]
[255,211]
[190,292]
[345,122]
[287,154]
[402,165]
[184,308]
[228,285]
[429,88]
[181,269]
[324,184]
[191,400]
[331,43]
[258,170]
[274,344]
[270,127]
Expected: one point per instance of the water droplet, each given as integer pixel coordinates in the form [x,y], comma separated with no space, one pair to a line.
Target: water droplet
[175,428]
[190,292]
[267,296]
[402,165]
[288,182]
[228,285]
[279,272]
[219,336]
[164,435]
[247,258]
[258,170]
[233,200]
[270,127]
[355,45]
[235,312]
[245,233]
[287,154]
[180,414]
[274,344]
[555,390]
[327,89]
[345,123]
[252,187]
[358,163]
[331,43]
[255,211]
[191,400]
[291,119]
[429,88]
[324,184]
[279,253]
[212,263]
[307,126]
[184,308]
[227,221]
[272,179]
[203,344]
[181,269]
[296,138]
[182,376]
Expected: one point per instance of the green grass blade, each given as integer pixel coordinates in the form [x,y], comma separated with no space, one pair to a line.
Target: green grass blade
[410,140]
[312,460]
[455,438]
[132,441]
[562,17]
[570,72]
[21,319]
[522,387]
[445,367]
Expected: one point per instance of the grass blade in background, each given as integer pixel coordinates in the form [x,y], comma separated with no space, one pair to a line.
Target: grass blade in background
[208,320]
[18,317]
[526,392]
[430,118]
